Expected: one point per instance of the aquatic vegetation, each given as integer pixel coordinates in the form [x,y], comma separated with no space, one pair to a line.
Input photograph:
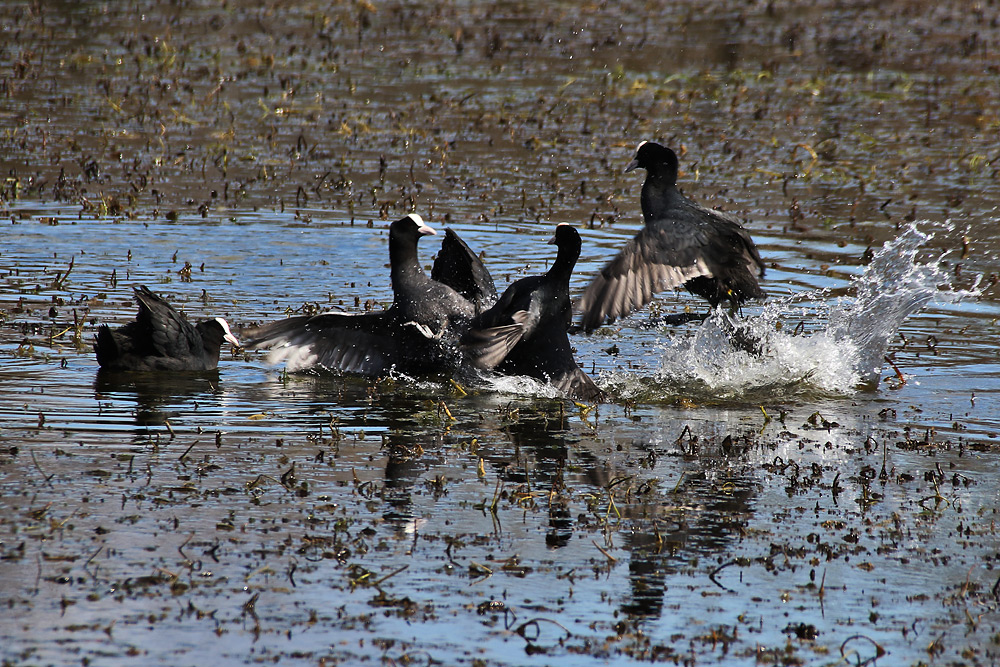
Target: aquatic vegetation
[724,508]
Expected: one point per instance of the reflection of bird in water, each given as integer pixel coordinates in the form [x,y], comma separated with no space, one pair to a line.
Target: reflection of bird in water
[153,391]
[415,335]
[670,540]
[161,339]
[681,243]
[525,333]
[700,518]
[541,441]
[407,460]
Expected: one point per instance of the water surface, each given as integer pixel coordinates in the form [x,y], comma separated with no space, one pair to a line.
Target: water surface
[813,506]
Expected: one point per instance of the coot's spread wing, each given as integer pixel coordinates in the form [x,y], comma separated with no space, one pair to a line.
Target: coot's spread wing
[660,257]
[351,343]
[169,334]
[485,348]
[733,261]
[461,269]
[494,333]
[736,244]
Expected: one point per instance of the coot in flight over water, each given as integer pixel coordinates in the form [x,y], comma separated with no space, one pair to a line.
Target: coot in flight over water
[681,243]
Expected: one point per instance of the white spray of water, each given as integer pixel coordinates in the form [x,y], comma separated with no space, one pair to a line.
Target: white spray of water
[520,385]
[840,350]
[893,285]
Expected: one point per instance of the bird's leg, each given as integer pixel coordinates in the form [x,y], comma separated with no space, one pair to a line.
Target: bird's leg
[740,335]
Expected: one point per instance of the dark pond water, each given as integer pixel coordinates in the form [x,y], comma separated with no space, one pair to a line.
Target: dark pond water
[819,505]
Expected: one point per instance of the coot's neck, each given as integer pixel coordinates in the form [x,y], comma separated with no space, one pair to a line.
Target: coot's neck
[403,260]
[562,267]
[659,188]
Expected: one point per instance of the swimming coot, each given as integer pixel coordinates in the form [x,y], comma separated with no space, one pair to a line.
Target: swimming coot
[417,334]
[681,243]
[525,333]
[161,339]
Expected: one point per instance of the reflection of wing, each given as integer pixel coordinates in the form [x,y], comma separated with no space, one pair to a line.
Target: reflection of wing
[658,258]
[170,335]
[350,343]
[458,267]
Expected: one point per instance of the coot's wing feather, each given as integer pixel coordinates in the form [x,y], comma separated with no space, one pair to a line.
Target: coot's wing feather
[351,343]
[461,269]
[495,332]
[577,384]
[486,348]
[169,334]
[660,257]
[738,243]
[518,299]
[107,346]
[733,260]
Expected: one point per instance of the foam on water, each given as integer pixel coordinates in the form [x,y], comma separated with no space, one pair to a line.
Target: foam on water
[828,346]
[520,385]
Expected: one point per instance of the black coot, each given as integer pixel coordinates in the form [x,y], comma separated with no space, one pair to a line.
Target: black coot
[525,333]
[416,335]
[681,243]
[161,339]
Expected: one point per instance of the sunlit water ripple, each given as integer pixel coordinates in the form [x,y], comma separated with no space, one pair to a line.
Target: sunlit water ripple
[690,412]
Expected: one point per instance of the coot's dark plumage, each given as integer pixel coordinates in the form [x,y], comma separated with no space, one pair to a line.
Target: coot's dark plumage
[681,243]
[525,333]
[458,267]
[417,334]
[161,339]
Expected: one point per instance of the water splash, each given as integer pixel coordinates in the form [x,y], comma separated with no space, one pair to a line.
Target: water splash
[894,285]
[830,346]
[520,385]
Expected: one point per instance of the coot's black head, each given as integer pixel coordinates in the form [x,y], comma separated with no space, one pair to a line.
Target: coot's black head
[214,331]
[565,236]
[412,226]
[657,160]
[567,239]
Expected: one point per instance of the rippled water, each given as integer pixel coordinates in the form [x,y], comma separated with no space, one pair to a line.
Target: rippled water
[184,500]
[830,499]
